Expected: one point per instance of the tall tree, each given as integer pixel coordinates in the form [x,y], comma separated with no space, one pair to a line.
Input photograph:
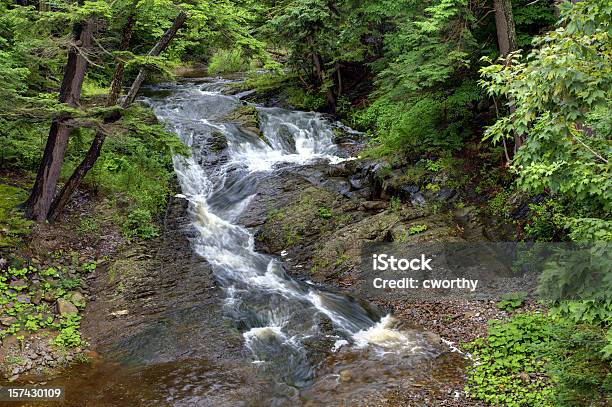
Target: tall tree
[96,146]
[38,204]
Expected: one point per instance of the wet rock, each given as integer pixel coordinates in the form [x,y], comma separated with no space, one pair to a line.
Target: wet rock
[522,208]
[356,182]
[445,194]
[407,190]
[217,141]
[418,199]
[433,337]
[247,117]
[346,375]
[65,307]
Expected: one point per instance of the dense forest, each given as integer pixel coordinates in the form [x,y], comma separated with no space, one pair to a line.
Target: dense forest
[499,110]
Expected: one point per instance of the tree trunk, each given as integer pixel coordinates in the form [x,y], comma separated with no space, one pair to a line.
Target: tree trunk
[504,22]
[506,38]
[161,45]
[96,146]
[117,81]
[320,74]
[37,205]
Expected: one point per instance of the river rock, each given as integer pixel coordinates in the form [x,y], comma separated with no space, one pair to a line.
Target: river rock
[76,298]
[418,199]
[65,307]
[23,298]
[17,283]
[346,375]
[8,321]
[217,141]
[356,182]
[445,194]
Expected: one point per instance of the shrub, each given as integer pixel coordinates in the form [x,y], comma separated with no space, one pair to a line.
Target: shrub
[139,223]
[227,61]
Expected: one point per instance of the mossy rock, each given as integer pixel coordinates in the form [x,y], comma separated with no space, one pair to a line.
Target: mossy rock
[246,115]
[218,141]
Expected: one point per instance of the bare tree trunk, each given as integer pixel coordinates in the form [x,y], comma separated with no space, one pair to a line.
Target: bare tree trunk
[96,146]
[161,45]
[504,22]
[37,205]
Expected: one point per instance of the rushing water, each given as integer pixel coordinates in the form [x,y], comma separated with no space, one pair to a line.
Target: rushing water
[280,317]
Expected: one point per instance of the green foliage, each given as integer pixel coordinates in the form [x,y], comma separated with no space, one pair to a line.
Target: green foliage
[546,221]
[534,359]
[139,223]
[416,229]
[27,301]
[512,301]
[561,95]
[324,213]
[227,61]
[69,331]
[508,369]
[305,99]
[87,226]
[498,205]
[13,225]
[395,204]
[582,376]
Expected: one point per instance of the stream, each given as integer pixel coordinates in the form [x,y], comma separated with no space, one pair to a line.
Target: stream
[309,344]
[276,313]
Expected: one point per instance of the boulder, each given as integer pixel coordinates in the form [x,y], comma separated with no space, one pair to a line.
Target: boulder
[8,321]
[77,298]
[418,199]
[217,141]
[65,307]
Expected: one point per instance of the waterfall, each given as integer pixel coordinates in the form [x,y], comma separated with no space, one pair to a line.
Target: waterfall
[275,312]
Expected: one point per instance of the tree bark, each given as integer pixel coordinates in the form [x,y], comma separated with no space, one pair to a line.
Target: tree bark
[506,39]
[504,22]
[161,45]
[37,205]
[96,146]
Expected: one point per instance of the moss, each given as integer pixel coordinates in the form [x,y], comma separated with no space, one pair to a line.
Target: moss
[13,224]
